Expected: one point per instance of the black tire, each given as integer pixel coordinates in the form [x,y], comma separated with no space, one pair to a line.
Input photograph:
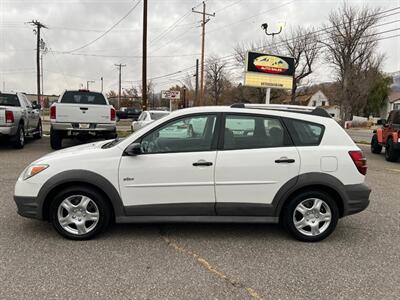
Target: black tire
[288,217]
[103,208]
[18,141]
[376,148]
[55,139]
[390,153]
[39,131]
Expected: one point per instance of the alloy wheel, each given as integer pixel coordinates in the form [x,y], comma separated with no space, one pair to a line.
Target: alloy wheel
[312,216]
[78,214]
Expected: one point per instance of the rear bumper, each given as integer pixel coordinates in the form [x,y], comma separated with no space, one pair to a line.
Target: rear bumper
[8,130]
[357,198]
[93,127]
[28,207]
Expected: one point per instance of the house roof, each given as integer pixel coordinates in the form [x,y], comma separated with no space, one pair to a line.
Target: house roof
[301,100]
[394,96]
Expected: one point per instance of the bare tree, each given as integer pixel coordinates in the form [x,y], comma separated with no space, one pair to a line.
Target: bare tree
[351,47]
[302,45]
[216,78]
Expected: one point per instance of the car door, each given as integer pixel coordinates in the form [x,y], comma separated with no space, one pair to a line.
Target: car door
[174,174]
[255,159]
[30,115]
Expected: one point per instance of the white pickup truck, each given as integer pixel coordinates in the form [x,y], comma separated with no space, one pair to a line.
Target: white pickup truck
[19,118]
[81,113]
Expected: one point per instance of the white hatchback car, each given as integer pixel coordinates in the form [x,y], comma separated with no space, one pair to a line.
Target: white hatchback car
[245,163]
[147,117]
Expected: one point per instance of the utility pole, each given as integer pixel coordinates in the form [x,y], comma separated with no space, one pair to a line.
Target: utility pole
[102,82]
[87,83]
[265,28]
[196,96]
[144,57]
[41,71]
[119,83]
[38,26]
[203,25]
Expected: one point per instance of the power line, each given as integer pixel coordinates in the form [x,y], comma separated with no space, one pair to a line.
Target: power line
[108,30]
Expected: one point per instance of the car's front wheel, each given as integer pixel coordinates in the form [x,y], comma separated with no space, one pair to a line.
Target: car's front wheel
[311,216]
[80,213]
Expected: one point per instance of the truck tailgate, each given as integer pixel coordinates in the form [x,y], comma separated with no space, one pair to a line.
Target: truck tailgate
[2,115]
[75,113]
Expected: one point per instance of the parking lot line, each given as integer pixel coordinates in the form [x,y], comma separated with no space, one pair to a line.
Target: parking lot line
[393,170]
[208,267]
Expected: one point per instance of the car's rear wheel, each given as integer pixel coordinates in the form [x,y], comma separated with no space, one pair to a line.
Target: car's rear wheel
[18,141]
[375,146]
[79,213]
[311,216]
[55,139]
[390,153]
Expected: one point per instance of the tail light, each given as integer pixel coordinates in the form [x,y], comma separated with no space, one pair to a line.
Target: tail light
[9,116]
[360,161]
[53,112]
[112,114]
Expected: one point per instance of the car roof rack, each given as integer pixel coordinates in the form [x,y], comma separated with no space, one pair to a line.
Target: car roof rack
[315,111]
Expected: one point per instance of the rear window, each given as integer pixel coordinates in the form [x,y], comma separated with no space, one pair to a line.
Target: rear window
[9,100]
[81,97]
[305,133]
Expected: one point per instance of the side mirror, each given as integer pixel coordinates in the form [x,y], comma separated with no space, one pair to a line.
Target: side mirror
[133,149]
[36,106]
[381,122]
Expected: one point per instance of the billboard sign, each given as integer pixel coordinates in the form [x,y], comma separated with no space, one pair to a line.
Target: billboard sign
[171,95]
[269,71]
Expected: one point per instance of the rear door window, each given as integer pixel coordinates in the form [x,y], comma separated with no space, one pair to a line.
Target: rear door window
[253,131]
[305,133]
[81,97]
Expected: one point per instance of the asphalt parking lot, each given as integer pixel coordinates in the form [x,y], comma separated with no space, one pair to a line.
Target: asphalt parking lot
[361,259]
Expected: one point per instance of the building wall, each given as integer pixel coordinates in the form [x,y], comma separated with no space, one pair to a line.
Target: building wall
[318,99]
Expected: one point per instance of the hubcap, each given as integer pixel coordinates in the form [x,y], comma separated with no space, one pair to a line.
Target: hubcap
[78,214]
[312,216]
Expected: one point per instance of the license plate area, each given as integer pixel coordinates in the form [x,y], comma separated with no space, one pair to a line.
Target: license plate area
[84,125]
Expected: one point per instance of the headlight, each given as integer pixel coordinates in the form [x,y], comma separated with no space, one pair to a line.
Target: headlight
[33,170]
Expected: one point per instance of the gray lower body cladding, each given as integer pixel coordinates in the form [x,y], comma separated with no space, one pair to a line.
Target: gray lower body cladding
[355,198]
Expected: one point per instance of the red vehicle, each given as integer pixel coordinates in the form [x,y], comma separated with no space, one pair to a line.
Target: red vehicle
[388,136]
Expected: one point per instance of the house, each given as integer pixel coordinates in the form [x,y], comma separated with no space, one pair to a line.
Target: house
[318,99]
[393,102]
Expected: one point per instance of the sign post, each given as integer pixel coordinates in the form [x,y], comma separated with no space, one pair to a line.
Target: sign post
[268,71]
[171,95]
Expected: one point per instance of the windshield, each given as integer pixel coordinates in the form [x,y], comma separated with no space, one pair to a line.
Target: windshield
[157,115]
[82,97]
[9,100]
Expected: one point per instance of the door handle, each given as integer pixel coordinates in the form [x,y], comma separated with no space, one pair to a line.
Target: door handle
[202,163]
[83,108]
[285,160]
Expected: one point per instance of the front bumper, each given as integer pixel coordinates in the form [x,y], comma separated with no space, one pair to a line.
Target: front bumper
[74,127]
[8,130]
[28,207]
[357,198]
